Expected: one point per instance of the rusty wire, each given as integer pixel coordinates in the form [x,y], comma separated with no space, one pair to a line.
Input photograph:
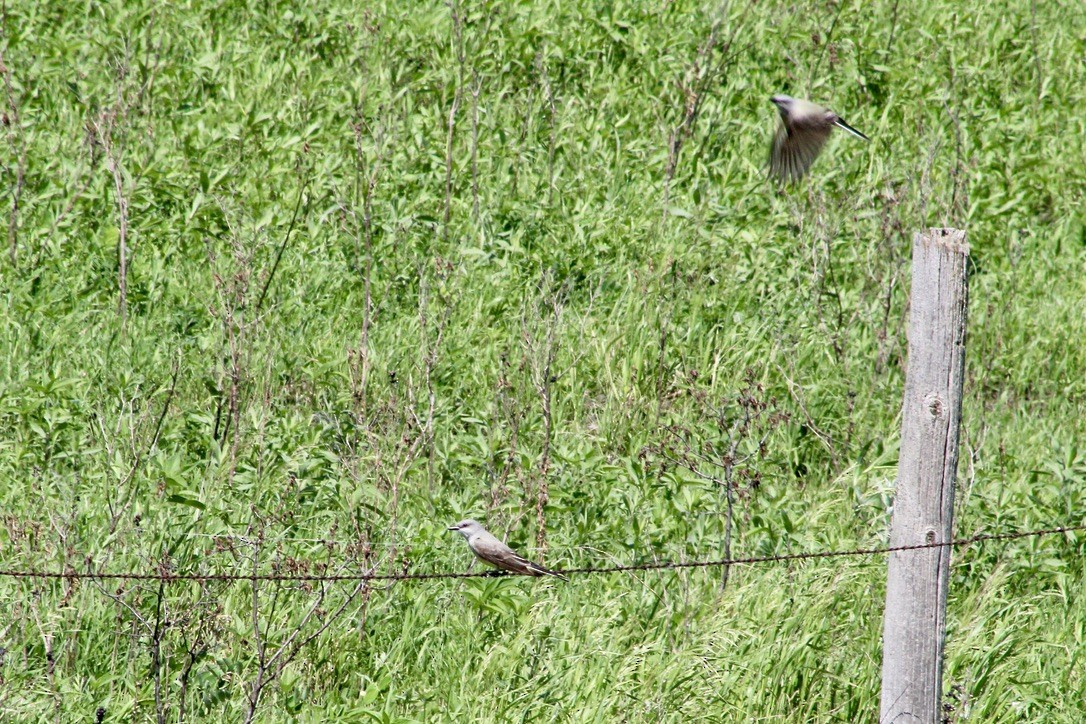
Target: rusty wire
[169,576]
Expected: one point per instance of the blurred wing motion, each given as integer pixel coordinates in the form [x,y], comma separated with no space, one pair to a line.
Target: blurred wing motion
[795,147]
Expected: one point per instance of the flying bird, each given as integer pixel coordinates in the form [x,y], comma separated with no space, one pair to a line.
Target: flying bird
[804,129]
[491,550]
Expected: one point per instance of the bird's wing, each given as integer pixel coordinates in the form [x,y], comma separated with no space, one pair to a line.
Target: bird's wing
[795,148]
[497,553]
[509,561]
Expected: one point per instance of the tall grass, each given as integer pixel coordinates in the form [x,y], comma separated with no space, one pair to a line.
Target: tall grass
[294,287]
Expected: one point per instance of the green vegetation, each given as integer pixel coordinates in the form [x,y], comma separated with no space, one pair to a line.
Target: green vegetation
[292,287]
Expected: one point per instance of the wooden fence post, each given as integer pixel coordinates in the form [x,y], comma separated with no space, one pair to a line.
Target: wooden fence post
[914,622]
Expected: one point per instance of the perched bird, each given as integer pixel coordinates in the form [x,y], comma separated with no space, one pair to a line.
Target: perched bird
[491,550]
[803,131]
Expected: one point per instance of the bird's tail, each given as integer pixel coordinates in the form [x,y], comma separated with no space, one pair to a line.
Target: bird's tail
[844,126]
[545,571]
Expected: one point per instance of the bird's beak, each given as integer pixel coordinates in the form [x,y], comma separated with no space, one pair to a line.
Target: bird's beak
[453,527]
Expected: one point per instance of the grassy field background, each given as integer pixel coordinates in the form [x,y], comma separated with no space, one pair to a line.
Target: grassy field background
[293,287]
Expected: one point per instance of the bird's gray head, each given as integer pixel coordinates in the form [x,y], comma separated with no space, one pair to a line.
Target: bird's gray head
[466,528]
[782,102]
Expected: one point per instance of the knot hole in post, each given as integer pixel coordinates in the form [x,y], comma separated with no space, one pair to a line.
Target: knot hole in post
[934,403]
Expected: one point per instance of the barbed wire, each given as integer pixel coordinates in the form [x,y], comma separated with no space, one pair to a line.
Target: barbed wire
[170,577]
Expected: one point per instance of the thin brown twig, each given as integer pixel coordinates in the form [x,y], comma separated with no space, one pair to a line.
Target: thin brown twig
[283,246]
